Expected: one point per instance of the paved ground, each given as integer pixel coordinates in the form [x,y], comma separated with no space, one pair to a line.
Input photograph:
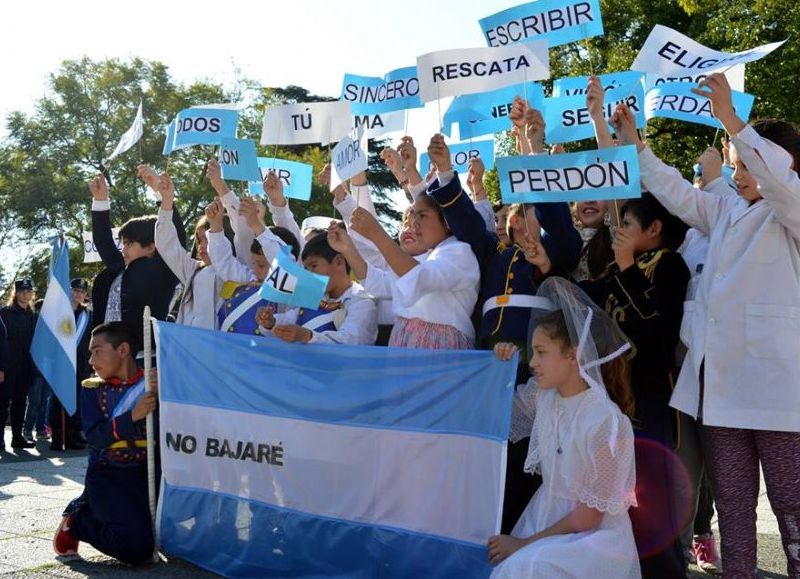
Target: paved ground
[36,485]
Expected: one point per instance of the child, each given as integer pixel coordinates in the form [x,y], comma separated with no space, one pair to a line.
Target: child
[201,299]
[241,298]
[577,523]
[135,277]
[643,291]
[741,372]
[112,514]
[345,314]
[433,294]
[595,230]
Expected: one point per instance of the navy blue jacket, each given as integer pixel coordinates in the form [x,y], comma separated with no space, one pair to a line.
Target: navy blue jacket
[504,270]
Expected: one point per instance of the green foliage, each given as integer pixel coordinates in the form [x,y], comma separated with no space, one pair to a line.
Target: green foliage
[51,154]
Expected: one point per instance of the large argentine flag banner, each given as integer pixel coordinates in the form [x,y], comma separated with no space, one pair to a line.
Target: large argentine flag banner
[54,346]
[335,461]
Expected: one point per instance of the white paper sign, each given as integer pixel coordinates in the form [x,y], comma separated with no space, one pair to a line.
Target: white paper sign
[734,75]
[90,253]
[380,124]
[472,70]
[671,53]
[349,157]
[306,123]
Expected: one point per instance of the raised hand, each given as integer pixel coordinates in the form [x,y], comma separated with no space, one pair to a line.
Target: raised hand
[393,161]
[214,174]
[273,188]
[535,253]
[517,114]
[595,96]
[149,176]
[711,162]
[98,188]
[534,129]
[339,240]
[166,188]
[624,124]
[214,214]
[363,222]
[439,153]
[475,175]
[249,209]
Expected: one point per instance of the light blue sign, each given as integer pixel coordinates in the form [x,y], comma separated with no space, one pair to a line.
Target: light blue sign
[461,153]
[486,113]
[238,160]
[296,177]
[675,100]
[575,85]
[204,127]
[555,21]
[289,283]
[169,139]
[602,174]
[567,118]
[370,95]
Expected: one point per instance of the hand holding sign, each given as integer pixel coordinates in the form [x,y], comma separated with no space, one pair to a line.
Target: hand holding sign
[534,129]
[439,153]
[273,188]
[408,155]
[717,90]
[535,253]
[595,96]
[265,317]
[166,188]
[517,114]
[624,124]
[214,214]
[339,240]
[475,177]
[340,191]
[148,175]
[393,162]
[214,174]
[98,188]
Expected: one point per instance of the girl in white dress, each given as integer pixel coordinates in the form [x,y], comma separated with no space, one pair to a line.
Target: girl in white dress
[577,523]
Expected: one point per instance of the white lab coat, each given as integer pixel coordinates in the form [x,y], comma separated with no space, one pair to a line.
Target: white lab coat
[745,320]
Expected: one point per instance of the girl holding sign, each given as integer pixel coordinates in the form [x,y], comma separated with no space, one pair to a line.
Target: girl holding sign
[742,370]
[576,411]
[433,294]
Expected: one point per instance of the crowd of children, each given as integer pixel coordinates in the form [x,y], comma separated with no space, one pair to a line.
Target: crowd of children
[657,372]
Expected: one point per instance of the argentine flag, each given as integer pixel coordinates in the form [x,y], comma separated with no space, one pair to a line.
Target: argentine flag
[54,344]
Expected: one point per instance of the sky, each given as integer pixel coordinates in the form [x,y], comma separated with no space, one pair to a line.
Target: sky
[310,43]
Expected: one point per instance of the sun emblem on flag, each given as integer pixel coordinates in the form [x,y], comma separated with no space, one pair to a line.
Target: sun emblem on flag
[67,326]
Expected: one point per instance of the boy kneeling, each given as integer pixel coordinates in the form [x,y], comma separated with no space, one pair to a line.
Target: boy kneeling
[112,514]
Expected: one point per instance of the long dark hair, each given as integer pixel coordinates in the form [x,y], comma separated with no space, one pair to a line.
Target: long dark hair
[599,252]
[616,373]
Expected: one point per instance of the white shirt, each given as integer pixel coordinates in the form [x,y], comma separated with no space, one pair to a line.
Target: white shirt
[359,326]
[442,289]
[242,234]
[200,300]
[231,269]
[745,320]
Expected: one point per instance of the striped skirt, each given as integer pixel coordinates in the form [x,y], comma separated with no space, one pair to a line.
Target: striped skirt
[416,333]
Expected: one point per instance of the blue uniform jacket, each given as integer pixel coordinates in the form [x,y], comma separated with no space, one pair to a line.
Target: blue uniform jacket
[504,270]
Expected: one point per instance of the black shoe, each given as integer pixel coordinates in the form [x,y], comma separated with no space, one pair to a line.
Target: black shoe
[57,446]
[22,443]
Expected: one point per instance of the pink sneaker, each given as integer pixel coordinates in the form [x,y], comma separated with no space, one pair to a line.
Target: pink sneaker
[704,548]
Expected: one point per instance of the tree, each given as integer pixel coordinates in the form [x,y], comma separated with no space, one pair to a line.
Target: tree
[51,154]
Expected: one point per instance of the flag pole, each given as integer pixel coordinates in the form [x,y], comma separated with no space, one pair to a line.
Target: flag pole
[149,423]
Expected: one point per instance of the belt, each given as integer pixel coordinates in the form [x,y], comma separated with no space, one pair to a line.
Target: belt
[125,444]
[517,301]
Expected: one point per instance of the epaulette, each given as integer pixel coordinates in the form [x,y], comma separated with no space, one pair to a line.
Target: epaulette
[648,263]
[228,288]
[93,382]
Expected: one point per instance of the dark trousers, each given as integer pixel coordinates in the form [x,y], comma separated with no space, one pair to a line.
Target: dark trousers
[65,429]
[114,517]
[520,485]
[656,521]
[14,393]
